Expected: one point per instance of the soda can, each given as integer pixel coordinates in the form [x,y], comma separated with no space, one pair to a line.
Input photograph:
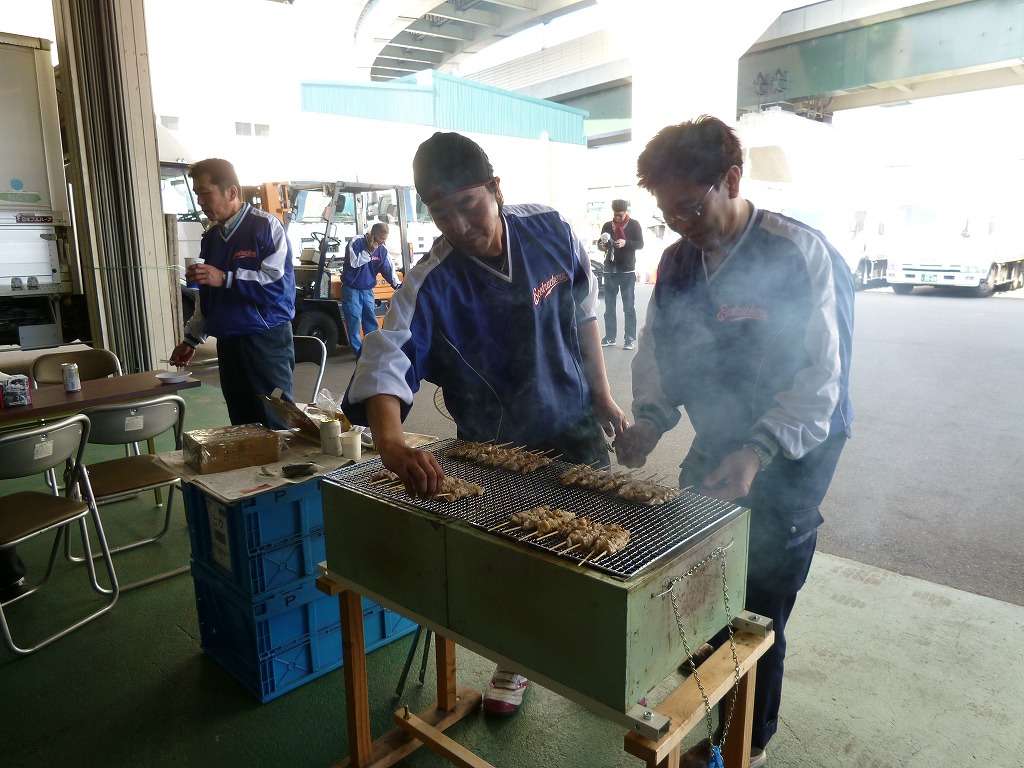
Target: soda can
[72,381]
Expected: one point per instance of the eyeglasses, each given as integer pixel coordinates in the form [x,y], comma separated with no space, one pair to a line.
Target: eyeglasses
[693,214]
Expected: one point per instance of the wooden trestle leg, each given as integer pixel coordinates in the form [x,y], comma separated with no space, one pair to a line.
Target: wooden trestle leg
[686,709]
[412,731]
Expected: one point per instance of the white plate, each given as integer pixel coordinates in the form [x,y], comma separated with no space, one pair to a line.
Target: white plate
[172,378]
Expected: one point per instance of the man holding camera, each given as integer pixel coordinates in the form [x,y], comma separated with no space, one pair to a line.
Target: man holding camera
[620,239]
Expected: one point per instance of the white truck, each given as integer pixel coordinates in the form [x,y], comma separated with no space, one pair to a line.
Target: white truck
[41,301]
[955,250]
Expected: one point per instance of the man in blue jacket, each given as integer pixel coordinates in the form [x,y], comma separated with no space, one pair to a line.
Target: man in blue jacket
[246,297]
[365,258]
[750,331]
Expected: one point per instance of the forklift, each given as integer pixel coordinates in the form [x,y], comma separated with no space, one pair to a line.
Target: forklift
[351,209]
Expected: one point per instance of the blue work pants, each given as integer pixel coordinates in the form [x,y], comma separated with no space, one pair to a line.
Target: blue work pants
[357,306]
[254,365]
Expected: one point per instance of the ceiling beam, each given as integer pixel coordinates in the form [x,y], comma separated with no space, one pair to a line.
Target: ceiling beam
[471,16]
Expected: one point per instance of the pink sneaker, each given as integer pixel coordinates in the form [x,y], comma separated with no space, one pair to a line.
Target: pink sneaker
[504,695]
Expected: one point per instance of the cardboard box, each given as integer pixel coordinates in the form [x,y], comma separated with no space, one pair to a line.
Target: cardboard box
[336,286]
[223,448]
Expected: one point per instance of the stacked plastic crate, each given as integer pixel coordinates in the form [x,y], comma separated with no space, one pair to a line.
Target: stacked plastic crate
[261,617]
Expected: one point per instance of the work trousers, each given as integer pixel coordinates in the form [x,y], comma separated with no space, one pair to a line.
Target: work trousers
[357,307]
[784,514]
[254,365]
[624,283]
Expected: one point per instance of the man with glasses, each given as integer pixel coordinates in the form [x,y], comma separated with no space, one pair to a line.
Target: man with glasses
[749,329]
[365,258]
[503,317]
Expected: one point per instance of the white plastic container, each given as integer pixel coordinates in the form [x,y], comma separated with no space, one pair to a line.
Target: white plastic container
[352,445]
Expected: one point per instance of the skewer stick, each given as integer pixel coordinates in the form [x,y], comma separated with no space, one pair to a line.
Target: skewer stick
[548,535]
[516,528]
[581,562]
[684,490]
[502,445]
[570,549]
[502,524]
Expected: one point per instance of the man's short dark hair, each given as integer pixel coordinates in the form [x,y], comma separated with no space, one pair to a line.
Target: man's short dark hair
[219,172]
[448,162]
[379,230]
[620,206]
[700,150]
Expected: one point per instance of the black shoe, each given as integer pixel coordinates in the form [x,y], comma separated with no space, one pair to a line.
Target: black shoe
[630,343]
[11,591]
[606,342]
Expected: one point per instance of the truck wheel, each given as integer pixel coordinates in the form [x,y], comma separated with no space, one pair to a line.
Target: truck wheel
[863,276]
[902,289]
[987,286]
[319,325]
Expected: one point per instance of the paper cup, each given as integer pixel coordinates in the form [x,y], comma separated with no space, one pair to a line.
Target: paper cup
[352,446]
[191,261]
[330,437]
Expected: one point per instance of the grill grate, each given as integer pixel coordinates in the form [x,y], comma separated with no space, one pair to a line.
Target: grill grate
[654,531]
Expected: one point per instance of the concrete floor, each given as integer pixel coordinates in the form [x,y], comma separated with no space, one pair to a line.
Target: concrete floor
[884,669]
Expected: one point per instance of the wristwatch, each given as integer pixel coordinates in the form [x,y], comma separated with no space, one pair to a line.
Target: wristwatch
[762,454]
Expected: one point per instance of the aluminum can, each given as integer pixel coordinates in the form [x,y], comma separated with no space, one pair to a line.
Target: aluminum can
[72,381]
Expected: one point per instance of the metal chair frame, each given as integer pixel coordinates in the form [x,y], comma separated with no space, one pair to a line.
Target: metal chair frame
[129,424]
[92,364]
[34,450]
[309,349]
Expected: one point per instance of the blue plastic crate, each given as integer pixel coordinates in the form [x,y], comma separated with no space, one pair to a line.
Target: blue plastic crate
[284,640]
[263,543]
[276,620]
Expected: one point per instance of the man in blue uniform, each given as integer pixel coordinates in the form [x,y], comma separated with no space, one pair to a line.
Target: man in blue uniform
[246,297]
[501,316]
[365,258]
[749,329]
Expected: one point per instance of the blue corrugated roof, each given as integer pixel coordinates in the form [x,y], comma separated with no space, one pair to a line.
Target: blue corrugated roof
[449,103]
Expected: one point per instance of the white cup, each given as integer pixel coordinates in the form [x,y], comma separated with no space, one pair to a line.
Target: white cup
[352,446]
[330,437]
[191,261]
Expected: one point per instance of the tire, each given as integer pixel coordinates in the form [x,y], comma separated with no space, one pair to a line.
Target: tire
[902,289]
[319,325]
[987,286]
[862,277]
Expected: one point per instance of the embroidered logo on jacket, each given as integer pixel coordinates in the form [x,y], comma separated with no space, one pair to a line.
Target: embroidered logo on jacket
[244,255]
[546,288]
[740,312]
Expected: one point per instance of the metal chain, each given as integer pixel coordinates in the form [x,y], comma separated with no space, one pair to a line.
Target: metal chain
[718,552]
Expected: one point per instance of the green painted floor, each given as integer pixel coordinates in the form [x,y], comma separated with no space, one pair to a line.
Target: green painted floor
[883,670]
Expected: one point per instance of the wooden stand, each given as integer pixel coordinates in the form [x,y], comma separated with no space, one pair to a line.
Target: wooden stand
[411,731]
[686,709]
[684,706]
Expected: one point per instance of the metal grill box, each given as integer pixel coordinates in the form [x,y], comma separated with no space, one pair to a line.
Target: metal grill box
[599,637]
